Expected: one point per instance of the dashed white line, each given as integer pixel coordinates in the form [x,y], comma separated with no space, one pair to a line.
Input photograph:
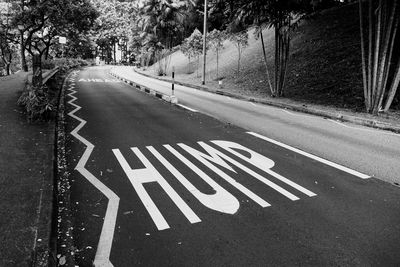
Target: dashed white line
[327,162]
[102,257]
[186,107]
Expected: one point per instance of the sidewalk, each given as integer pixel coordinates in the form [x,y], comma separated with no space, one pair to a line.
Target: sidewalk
[389,121]
[26,180]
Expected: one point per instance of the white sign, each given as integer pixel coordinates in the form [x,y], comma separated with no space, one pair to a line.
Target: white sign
[62,40]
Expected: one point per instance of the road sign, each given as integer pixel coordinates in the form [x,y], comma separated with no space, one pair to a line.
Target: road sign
[62,40]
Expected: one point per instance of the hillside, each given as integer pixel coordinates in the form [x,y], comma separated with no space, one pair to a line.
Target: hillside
[324,66]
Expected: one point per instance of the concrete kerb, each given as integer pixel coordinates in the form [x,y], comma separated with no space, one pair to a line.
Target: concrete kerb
[63,206]
[168,98]
[335,116]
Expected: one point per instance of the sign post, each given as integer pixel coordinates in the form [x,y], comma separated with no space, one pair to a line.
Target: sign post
[62,40]
[173,80]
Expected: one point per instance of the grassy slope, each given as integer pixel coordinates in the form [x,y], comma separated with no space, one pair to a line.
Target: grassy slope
[324,67]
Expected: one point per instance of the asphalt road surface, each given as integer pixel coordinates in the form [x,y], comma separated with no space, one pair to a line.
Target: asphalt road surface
[374,152]
[158,185]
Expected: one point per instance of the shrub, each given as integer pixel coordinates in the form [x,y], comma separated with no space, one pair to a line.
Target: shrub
[37,103]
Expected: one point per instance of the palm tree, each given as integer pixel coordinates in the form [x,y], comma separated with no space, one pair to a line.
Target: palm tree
[164,19]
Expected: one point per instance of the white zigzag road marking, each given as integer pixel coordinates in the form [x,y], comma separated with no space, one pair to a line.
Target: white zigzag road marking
[102,257]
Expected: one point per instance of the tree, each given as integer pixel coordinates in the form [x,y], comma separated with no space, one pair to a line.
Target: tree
[116,22]
[187,51]
[195,46]
[216,39]
[7,37]
[164,19]
[241,41]
[282,16]
[378,40]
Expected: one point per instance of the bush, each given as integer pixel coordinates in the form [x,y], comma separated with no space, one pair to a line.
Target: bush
[37,103]
[48,64]
[65,63]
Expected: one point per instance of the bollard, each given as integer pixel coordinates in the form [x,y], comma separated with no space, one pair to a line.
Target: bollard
[173,80]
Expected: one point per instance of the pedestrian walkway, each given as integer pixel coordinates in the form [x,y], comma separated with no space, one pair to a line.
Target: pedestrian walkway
[26,180]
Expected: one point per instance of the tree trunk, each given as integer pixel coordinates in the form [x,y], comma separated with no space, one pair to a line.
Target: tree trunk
[37,71]
[8,65]
[363,64]
[276,59]
[266,64]
[393,88]
[376,60]
[217,66]
[370,54]
[387,53]
[24,66]
[238,68]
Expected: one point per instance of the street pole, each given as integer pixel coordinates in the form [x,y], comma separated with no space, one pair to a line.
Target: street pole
[204,43]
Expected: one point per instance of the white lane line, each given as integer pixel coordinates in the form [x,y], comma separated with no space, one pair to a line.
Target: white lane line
[186,107]
[102,257]
[363,129]
[327,162]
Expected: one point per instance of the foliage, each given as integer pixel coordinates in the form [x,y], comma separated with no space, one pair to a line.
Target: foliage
[282,16]
[43,21]
[8,38]
[193,46]
[164,19]
[241,41]
[37,103]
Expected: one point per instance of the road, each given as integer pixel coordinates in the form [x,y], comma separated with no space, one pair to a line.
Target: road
[371,151]
[157,185]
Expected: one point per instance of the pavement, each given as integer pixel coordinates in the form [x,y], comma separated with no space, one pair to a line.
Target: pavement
[156,184]
[26,180]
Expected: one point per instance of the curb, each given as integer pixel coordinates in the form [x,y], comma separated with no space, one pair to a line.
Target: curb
[63,233]
[167,98]
[335,116]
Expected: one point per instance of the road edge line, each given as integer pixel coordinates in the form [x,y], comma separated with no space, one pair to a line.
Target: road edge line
[311,156]
[102,257]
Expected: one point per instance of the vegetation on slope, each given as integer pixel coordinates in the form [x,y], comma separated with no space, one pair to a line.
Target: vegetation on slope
[324,66]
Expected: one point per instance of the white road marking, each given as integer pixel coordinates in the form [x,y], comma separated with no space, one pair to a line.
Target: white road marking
[327,162]
[260,162]
[214,157]
[186,107]
[222,200]
[201,157]
[364,129]
[149,174]
[102,257]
